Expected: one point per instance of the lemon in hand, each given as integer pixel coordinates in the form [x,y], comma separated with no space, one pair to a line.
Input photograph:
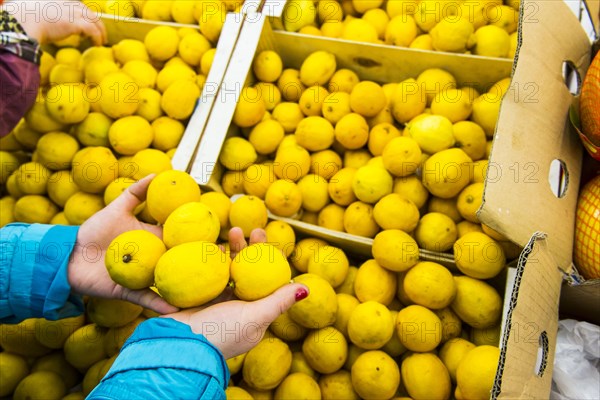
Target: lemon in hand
[131,258]
[258,270]
[191,222]
[192,274]
[181,189]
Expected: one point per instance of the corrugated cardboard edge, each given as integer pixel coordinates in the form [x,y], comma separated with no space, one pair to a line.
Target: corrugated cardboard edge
[533,130]
[531,326]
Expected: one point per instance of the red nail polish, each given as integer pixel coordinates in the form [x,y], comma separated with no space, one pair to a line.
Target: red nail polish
[301,294]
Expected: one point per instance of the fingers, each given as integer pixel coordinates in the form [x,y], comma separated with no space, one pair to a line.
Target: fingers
[148,299]
[237,241]
[258,236]
[271,307]
[133,196]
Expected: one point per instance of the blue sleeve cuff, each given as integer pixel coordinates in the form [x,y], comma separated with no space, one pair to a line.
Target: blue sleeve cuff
[165,359]
[35,263]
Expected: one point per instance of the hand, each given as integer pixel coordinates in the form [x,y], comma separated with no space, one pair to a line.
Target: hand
[235,327]
[87,273]
[51,21]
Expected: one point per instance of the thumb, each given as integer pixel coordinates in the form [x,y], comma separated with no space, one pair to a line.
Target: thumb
[134,195]
[272,306]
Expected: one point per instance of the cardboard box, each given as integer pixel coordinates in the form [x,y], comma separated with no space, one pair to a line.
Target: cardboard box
[531,133]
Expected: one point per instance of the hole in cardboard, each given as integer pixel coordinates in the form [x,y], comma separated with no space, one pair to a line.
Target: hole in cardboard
[542,355]
[571,77]
[558,177]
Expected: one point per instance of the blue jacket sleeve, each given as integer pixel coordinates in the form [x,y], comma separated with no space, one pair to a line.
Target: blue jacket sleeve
[164,359]
[33,272]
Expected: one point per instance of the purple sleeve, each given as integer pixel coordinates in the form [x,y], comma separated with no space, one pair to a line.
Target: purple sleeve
[19,83]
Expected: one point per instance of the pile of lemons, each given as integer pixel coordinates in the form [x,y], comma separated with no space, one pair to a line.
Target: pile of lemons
[484,27]
[104,117]
[320,145]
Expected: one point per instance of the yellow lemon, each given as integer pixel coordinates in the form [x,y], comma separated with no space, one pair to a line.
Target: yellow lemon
[267,364]
[220,204]
[471,138]
[183,269]
[317,68]
[172,73]
[464,227]
[332,217]
[401,30]
[65,74]
[371,183]
[352,131]
[380,135]
[237,154]
[59,219]
[367,98]
[358,30]
[340,187]
[408,101]
[288,115]
[270,94]
[395,250]
[434,80]
[491,41]
[347,287]
[248,212]
[314,192]
[257,178]
[374,283]
[319,309]
[13,368]
[422,42]
[375,375]
[34,209]
[362,6]
[476,372]
[411,187]
[67,103]
[291,162]
[476,303]
[7,205]
[191,222]
[85,346]
[298,384]
[330,263]
[250,108]
[150,161]
[485,112]
[430,285]
[162,42]
[97,69]
[81,206]
[433,133]
[142,72]
[206,61]
[192,47]
[337,386]
[39,119]
[379,19]
[116,188]
[335,106]
[453,352]
[490,336]
[370,325]
[167,133]
[267,66]
[453,35]
[179,99]
[332,29]
[31,177]
[444,206]
[315,133]
[346,304]
[123,141]
[112,313]
[343,80]
[419,328]
[359,220]
[402,156]
[325,349]
[425,377]
[469,200]
[181,187]
[118,95]
[396,212]
[266,136]
[40,385]
[305,249]
[312,99]
[47,62]
[56,150]
[149,106]
[446,173]
[454,104]
[290,84]
[281,235]
[93,130]
[258,270]
[283,198]
[479,256]
[130,49]
[436,232]
[53,334]
[329,10]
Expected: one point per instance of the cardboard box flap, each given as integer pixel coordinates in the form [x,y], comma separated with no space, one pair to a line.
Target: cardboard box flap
[518,198]
[529,338]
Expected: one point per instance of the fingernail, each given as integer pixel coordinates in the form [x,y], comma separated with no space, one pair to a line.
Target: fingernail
[301,294]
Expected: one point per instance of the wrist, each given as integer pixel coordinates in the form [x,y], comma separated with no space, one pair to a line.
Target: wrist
[14,37]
